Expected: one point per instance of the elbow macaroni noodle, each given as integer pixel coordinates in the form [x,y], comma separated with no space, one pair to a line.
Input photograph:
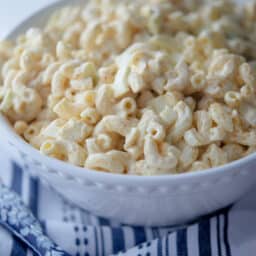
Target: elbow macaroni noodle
[136,87]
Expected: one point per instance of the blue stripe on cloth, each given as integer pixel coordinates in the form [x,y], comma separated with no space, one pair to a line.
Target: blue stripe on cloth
[160,247]
[18,248]
[139,235]
[33,195]
[17,175]
[155,233]
[204,238]
[118,240]
[43,225]
[102,241]
[96,241]
[226,239]
[182,245]
[104,222]
[167,246]
[218,236]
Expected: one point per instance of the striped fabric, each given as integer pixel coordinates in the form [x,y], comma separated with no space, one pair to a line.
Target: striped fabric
[80,233]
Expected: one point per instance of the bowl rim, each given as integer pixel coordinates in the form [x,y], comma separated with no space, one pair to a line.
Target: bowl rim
[22,145]
[90,174]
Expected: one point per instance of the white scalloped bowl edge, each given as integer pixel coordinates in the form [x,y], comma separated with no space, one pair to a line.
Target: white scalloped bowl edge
[148,201]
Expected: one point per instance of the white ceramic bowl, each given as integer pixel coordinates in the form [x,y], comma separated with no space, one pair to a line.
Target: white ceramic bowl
[162,200]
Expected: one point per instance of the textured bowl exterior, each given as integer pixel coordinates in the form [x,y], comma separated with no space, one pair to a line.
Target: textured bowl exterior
[147,201]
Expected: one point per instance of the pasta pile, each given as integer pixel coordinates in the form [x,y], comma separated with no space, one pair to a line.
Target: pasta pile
[136,87]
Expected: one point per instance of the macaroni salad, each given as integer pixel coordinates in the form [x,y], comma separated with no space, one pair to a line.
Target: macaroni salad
[136,87]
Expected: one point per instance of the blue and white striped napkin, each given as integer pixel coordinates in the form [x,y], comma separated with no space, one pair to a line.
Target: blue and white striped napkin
[230,232]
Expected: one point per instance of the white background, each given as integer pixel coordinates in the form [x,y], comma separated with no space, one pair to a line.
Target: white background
[13,12]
